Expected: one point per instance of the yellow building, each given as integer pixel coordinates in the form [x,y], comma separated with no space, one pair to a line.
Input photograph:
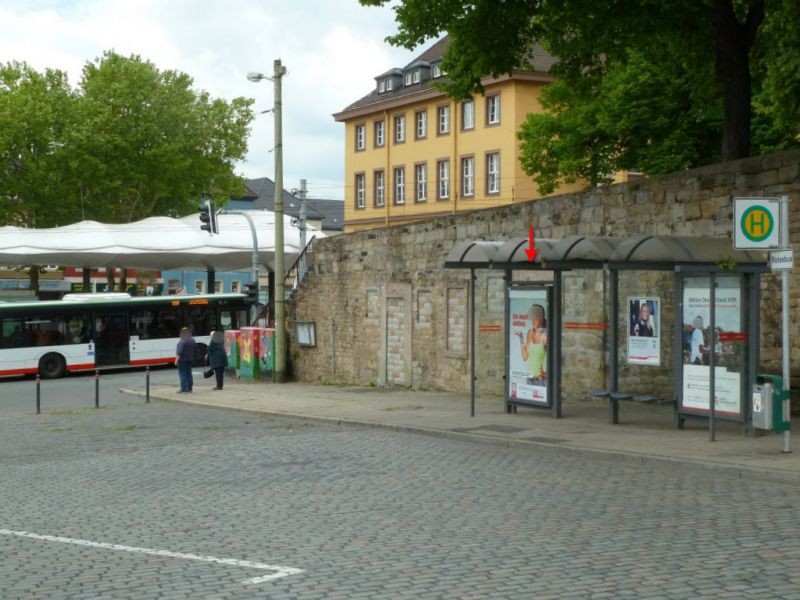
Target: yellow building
[411,152]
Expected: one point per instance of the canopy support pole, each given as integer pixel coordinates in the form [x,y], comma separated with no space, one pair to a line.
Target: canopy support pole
[613,405]
[472,382]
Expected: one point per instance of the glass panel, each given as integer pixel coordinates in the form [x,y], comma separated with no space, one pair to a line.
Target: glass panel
[728,341]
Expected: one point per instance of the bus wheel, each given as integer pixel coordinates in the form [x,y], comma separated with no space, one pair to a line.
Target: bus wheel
[52,366]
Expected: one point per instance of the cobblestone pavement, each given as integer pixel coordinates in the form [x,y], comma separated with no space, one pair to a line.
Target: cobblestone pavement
[365,513]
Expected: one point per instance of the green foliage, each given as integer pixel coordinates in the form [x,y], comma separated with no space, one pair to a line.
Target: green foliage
[640,84]
[130,142]
[36,181]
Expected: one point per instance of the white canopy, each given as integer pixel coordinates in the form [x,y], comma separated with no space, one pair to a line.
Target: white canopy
[155,243]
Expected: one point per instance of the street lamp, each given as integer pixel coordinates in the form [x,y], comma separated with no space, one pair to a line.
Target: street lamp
[280,269]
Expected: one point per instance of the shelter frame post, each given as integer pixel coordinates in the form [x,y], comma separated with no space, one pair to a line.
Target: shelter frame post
[677,355]
[507,277]
[613,405]
[87,280]
[554,342]
[712,357]
[472,382]
[753,288]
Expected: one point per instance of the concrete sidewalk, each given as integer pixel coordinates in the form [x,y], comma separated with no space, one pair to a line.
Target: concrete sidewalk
[645,433]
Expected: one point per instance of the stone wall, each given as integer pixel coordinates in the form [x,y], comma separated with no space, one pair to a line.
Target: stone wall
[387,312]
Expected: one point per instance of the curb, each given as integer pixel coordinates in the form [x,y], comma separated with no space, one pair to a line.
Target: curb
[729,470]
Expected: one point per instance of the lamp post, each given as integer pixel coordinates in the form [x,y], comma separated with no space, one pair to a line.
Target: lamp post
[280,269]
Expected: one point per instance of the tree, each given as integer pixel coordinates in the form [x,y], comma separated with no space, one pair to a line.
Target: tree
[148,144]
[36,181]
[619,60]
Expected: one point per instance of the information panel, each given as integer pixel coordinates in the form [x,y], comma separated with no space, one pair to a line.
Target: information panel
[527,346]
[728,345]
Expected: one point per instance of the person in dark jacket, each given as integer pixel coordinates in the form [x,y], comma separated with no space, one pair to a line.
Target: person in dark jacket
[184,358]
[217,357]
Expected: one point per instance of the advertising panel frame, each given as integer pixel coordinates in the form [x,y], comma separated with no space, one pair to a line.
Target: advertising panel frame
[520,295]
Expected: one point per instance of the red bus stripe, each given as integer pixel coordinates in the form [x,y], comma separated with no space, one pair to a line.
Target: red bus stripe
[153,361]
[29,371]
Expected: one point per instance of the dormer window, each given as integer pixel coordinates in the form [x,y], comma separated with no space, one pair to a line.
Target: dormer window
[415,76]
[408,78]
[381,86]
[388,85]
[437,71]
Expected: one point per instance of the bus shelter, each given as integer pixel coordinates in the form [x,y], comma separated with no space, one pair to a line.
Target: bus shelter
[715,300]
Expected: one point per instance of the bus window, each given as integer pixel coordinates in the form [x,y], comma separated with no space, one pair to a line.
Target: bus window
[45,331]
[242,318]
[225,319]
[78,329]
[13,333]
[199,320]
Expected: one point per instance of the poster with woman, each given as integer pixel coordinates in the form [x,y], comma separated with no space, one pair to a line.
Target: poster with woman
[527,346]
[644,331]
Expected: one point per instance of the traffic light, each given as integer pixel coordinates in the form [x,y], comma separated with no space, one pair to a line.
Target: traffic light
[251,293]
[208,217]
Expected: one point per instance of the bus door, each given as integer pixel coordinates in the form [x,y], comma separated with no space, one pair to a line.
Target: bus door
[111,340]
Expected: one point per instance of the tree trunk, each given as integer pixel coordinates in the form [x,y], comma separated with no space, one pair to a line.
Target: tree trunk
[732,43]
[110,279]
[33,276]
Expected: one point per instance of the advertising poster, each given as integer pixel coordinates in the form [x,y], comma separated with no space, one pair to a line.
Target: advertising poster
[527,344]
[644,331]
[697,340]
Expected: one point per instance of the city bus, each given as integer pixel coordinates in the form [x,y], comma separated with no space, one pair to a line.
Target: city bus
[83,332]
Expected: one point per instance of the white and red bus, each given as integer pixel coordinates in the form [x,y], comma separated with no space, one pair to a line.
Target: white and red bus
[88,331]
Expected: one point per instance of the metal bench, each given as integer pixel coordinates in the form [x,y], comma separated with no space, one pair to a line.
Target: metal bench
[614,398]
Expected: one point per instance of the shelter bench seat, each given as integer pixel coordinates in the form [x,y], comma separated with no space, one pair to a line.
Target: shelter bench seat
[614,398]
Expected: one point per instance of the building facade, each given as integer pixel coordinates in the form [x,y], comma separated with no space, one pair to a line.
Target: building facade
[412,152]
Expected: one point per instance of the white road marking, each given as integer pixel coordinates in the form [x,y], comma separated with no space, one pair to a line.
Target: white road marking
[280,571]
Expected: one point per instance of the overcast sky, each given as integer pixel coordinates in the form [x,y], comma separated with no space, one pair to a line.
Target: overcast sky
[332,49]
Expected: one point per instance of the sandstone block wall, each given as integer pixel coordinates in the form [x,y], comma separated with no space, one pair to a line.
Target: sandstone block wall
[370,331]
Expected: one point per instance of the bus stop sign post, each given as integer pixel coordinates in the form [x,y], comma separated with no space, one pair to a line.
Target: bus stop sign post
[38,395]
[96,388]
[147,385]
[785,245]
[763,224]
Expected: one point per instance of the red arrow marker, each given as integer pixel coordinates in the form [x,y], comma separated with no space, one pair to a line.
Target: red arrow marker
[531,251]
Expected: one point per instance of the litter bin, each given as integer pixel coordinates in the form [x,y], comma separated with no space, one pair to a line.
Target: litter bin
[768,397]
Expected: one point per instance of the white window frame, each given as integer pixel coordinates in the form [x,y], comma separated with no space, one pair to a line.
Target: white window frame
[361,190]
[382,86]
[219,286]
[380,188]
[443,118]
[361,137]
[437,71]
[399,179]
[200,286]
[421,182]
[236,286]
[468,176]
[421,119]
[468,116]
[415,76]
[493,109]
[493,173]
[380,133]
[408,79]
[389,85]
[400,129]
[443,182]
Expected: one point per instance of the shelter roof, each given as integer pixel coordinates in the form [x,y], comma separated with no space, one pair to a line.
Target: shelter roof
[636,252]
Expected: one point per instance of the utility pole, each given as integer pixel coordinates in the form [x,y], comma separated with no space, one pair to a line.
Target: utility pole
[280,270]
[302,227]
